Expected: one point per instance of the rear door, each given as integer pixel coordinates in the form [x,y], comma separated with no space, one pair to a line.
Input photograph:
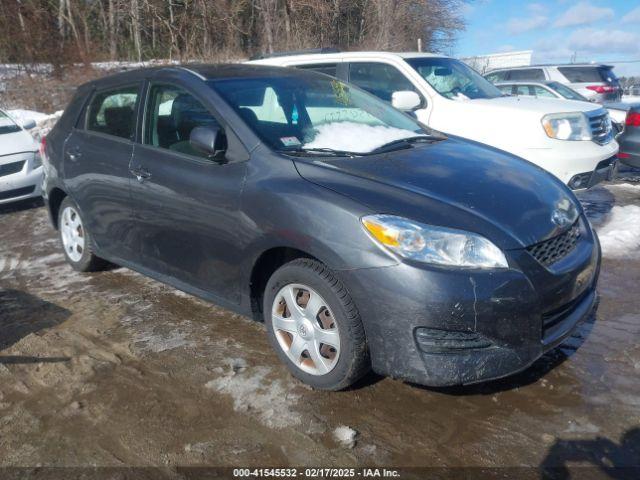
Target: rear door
[96,167]
[186,204]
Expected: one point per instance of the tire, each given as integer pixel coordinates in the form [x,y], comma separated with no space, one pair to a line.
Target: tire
[78,251]
[314,288]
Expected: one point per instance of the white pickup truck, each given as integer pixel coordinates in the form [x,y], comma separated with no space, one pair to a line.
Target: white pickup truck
[573,140]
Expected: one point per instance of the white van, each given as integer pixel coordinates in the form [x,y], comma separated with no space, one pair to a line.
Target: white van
[573,140]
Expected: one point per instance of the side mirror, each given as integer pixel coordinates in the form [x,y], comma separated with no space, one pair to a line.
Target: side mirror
[28,124]
[206,139]
[405,100]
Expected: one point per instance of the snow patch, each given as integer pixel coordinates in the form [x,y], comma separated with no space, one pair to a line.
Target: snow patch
[252,392]
[620,235]
[355,137]
[44,121]
[345,436]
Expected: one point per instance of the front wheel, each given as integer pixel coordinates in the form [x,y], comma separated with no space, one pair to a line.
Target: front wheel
[76,240]
[314,325]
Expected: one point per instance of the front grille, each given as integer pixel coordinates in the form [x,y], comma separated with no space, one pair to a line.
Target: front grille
[601,128]
[10,168]
[18,192]
[550,251]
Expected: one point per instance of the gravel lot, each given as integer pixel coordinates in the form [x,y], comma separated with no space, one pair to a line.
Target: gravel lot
[114,369]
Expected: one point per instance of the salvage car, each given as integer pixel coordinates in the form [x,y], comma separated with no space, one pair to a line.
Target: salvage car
[572,140]
[20,162]
[361,238]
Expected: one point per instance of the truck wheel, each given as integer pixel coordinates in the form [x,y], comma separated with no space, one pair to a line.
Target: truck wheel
[314,325]
[76,240]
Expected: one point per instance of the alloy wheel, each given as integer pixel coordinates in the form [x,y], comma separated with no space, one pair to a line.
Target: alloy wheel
[72,232]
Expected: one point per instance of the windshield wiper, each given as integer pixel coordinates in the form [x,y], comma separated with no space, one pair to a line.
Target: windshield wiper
[321,151]
[402,143]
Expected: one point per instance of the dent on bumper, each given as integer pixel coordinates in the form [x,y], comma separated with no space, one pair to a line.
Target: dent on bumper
[498,313]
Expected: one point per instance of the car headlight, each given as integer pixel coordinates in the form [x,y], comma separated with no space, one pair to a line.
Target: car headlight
[37,161]
[431,244]
[567,126]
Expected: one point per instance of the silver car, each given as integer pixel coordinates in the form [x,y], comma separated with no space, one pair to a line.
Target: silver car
[596,82]
[20,161]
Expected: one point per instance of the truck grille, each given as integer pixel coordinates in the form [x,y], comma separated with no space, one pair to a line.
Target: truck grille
[601,128]
[9,168]
[550,251]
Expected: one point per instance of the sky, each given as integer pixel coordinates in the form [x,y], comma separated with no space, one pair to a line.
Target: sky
[556,30]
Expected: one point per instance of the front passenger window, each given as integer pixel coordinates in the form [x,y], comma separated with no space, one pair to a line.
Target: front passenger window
[171,116]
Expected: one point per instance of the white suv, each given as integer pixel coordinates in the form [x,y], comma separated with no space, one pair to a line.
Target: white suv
[572,140]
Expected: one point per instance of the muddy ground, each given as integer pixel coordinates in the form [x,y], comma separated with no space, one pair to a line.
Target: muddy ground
[114,369]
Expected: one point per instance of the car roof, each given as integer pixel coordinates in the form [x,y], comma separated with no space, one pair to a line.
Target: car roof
[539,65]
[525,82]
[202,71]
[333,56]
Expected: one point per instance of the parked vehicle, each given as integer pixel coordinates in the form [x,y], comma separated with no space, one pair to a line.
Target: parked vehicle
[629,136]
[634,90]
[20,164]
[572,140]
[550,89]
[360,237]
[543,89]
[596,82]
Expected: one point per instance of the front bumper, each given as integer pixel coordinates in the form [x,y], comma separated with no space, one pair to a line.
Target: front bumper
[605,170]
[441,327]
[566,159]
[21,185]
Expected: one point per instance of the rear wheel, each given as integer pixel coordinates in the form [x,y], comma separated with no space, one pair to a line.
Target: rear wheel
[314,325]
[76,240]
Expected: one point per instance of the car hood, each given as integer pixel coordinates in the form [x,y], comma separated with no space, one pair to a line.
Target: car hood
[453,183]
[539,106]
[17,142]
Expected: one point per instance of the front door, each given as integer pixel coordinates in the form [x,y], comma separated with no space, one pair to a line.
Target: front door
[96,168]
[185,204]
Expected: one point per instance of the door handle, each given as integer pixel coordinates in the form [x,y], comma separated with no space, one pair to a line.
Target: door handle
[140,173]
[74,154]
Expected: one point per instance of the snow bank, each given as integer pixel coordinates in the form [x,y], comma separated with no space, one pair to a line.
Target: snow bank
[355,137]
[620,235]
[44,121]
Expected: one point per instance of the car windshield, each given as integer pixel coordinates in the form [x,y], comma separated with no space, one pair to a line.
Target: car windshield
[566,92]
[7,125]
[305,112]
[453,79]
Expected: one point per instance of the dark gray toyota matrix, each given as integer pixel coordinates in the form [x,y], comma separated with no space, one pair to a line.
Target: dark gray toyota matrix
[361,238]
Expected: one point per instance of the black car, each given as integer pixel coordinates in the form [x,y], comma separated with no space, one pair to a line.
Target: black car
[361,239]
[629,136]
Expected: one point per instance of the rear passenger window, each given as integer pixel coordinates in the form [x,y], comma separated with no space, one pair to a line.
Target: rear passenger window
[379,79]
[171,116]
[542,92]
[496,76]
[527,74]
[326,68]
[523,90]
[114,112]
